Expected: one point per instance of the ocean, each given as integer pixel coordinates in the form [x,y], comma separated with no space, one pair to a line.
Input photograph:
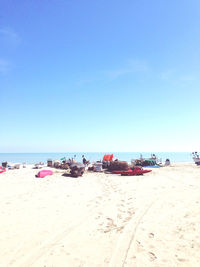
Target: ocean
[92,156]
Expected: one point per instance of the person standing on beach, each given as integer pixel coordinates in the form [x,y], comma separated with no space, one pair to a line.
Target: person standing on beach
[84,159]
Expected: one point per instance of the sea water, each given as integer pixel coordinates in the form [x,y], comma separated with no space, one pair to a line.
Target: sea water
[92,156]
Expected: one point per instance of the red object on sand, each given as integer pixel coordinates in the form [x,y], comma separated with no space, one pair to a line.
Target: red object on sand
[44,173]
[108,157]
[1,170]
[135,171]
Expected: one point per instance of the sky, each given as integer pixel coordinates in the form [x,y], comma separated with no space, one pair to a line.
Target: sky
[99,75]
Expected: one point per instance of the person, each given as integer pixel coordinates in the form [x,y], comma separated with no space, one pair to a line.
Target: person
[73,159]
[69,161]
[84,160]
[167,162]
[153,156]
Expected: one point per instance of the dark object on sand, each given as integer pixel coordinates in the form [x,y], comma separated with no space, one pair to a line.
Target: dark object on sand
[4,164]
[56,164]
[106,164]
[50,163]
[147,163]
[118,166]
[77,169]
[91,168]
[64,166]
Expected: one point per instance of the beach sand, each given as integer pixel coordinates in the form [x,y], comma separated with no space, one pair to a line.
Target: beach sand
[101,219]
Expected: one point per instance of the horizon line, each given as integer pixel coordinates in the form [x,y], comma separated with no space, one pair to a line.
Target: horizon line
[98,152]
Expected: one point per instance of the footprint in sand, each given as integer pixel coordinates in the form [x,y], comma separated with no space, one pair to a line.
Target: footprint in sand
[121,210]
[181,259]
[152,256]
[131,212]
[119,216]
[127,219]
[151,235]
[120,228]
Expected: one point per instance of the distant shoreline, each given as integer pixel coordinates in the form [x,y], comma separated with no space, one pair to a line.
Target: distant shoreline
[32,158]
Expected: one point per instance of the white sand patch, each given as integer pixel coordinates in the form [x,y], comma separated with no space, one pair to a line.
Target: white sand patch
[101,219]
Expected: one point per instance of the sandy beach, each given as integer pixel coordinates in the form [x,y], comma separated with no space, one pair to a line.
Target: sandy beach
[101,219]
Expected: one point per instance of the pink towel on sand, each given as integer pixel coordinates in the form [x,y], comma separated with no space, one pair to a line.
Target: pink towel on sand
[44,173]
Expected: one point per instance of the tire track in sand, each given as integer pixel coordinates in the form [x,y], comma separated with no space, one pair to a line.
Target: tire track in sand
[125,241]
[43,248]
[51,242]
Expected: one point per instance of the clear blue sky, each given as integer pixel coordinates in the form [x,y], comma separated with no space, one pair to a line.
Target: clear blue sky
[99,75]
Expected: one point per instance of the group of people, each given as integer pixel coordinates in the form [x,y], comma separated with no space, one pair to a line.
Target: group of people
[86,162]
[72,160]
